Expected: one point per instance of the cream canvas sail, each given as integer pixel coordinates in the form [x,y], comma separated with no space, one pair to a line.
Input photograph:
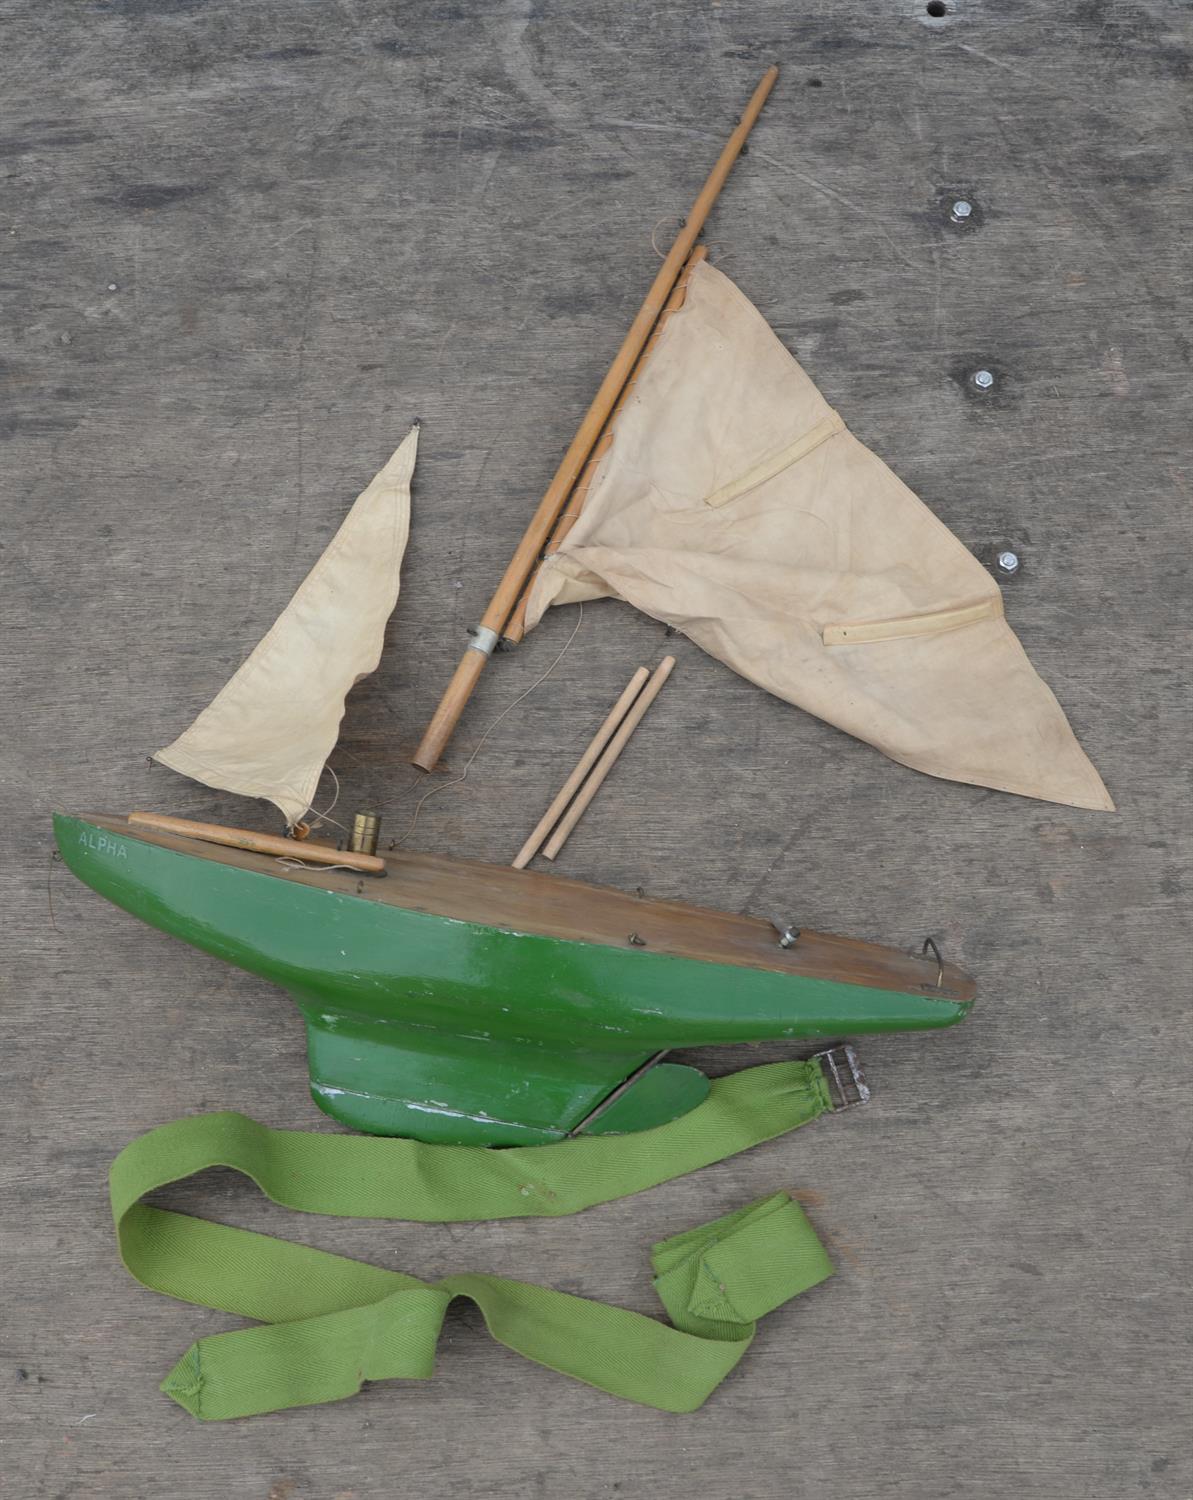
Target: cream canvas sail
[735,505]
[270,730]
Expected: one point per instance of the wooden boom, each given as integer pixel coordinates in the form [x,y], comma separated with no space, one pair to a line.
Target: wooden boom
[305,852]
[525,558]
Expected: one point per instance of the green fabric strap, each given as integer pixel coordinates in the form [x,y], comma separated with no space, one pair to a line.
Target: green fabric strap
[329,1323]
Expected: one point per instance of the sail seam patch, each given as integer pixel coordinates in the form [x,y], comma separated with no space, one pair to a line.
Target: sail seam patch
[937,621]
[777,462]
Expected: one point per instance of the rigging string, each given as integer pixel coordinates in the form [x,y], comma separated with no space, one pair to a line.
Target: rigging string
[325,817]
[55,858]
[654,244]
[463,776]
[318,819]
[287,863]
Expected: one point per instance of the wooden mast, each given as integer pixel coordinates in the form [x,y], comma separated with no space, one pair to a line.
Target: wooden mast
[525,558]
[515,626]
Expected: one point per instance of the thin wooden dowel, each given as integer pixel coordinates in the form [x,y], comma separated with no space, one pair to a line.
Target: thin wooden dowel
[258,843]
[515,628]
[608,759]
[526,555]
[545,824]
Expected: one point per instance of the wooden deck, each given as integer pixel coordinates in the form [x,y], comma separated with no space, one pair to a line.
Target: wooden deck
[244,246]
[540,901]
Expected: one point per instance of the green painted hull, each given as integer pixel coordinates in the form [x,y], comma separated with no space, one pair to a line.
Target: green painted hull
[425,1025]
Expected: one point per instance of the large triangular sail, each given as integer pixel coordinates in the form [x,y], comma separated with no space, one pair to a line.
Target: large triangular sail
[272,727]
[735,505]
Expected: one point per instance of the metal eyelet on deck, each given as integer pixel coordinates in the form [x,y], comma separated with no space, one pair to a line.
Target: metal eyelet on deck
[931,947]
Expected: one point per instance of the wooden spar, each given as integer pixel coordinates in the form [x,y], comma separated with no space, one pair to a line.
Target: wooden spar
[515,628]
[603,766]
[545,824]
[472,664]
[259,843]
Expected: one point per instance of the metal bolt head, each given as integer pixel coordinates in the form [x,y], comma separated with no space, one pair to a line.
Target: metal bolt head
[983,379]
[1008,562]
[961,210]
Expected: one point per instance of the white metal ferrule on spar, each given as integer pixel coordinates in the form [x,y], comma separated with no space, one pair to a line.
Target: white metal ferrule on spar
[483,640]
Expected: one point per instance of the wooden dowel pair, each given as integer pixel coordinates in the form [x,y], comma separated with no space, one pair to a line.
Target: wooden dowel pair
[526,554]
[607,744]
[602,737]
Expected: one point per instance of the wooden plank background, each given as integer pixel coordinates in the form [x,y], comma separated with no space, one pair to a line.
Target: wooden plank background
[243,246]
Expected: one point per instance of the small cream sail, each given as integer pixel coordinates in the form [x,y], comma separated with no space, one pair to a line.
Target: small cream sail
[735,505]
[270,730]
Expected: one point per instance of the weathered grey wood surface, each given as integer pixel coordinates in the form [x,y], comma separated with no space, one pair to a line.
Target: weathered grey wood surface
[243,246]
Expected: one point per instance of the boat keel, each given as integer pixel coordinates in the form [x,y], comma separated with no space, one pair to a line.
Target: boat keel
[476,1091]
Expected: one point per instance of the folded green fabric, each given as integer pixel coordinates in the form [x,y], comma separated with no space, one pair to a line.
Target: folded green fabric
[330,1323]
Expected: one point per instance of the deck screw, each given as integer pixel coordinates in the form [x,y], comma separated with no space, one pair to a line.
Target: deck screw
[983,379]
[961,210]
[1008,562]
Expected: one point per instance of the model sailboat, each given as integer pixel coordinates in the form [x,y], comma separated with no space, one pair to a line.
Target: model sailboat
[443,999]
[447,1000]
